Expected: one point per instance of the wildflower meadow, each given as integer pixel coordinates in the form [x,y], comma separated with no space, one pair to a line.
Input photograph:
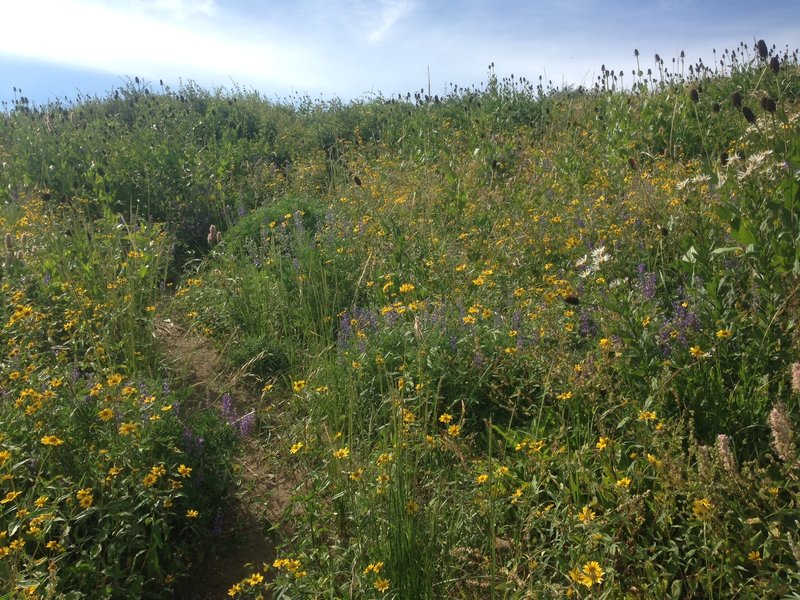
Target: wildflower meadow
[510,341]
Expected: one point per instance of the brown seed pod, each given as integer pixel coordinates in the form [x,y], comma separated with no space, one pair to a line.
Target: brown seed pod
[761,46]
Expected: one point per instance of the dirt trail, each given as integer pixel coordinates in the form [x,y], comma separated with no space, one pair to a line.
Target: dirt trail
[247,540]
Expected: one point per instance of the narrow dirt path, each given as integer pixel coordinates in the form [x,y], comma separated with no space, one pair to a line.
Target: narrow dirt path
[246,539]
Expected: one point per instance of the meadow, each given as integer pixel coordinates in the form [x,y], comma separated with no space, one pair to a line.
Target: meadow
[513,341]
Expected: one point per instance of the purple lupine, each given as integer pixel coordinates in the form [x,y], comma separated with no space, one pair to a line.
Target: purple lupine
[647,281]
[587,328]
[227,408]
[246,424]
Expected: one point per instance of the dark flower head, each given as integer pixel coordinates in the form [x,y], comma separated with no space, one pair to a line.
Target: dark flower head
[775,64]
[736,99]
[768,104]
[761,46]
[749,115]
[716,107]
[694,95]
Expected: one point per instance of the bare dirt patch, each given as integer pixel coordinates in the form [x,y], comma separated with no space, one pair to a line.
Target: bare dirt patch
[248,535]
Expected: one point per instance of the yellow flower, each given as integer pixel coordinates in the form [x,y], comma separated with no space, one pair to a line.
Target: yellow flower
[51,440]
[724,333]
[482,478]
[149,480]
[106,414]
[128,428]
[754,556]
[296,448]
[647,415]
[602,443]
[373,568]
[407,287]
[381,584]
[184,471]
[586,515]
[342,452]
[454,430]
[192,514]
[702,508]
[696,351]
[564,396]
[298,385]
[85,497]
[605,343]
[625,482]
[10,497]
[235,589]
[468,320]
[445,418]
[4,456]
[114,380]
[593,572]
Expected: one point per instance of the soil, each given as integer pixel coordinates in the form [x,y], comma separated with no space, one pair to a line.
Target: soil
[250,533]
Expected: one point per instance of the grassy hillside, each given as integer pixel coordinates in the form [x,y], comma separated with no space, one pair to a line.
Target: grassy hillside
[511,342]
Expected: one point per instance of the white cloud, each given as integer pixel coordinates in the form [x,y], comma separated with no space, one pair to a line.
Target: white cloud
[390,12]
[148,38]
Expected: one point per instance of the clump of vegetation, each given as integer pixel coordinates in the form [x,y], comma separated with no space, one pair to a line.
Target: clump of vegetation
[512,342]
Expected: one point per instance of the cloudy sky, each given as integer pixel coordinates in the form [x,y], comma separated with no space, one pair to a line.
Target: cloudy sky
[354,48]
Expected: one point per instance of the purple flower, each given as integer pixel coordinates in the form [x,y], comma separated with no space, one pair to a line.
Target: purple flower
[246,424]
[227,408]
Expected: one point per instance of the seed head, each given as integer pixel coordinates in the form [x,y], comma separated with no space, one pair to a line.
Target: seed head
[749,115]
[726,455]
[782,436]
[768,104]
[736,99]
[761,46]
[796,377]
[694,95]
[775,64]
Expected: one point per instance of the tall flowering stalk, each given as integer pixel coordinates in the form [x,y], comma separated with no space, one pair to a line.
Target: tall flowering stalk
[782,435]
[726,454]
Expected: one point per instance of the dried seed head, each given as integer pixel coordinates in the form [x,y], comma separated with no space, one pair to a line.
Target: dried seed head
[796,377]
[761,46]
[736,99]
[723,158]
[749,115]
[782,436]
[726,455]
[9,242]
[716,107]
[703,461]
[775,64]
[768,104]
[694,95]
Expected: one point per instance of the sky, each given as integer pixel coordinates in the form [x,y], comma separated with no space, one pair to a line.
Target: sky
[357,49]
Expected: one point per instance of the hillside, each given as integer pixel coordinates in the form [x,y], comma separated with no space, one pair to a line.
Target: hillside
[515,341]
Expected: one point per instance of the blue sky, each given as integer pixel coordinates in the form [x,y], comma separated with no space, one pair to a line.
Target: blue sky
[356,48]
